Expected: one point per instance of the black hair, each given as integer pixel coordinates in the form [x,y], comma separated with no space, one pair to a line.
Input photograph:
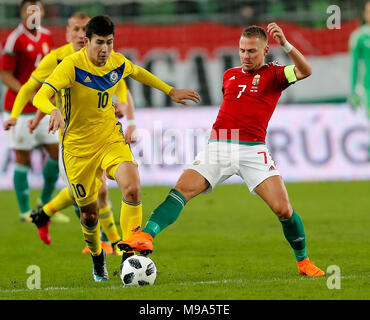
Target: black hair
[99,25]
[26,1]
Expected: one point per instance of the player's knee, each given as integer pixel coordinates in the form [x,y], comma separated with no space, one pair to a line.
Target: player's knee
[188,191]
[89,219]
[103,193]
[131,192]
[282,209]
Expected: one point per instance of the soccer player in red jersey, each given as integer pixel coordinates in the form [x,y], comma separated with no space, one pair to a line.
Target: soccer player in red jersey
[24,48]
[237,144]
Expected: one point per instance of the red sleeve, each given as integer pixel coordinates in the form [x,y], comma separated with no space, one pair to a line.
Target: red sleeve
[8,59]
[8,62]
[223,81]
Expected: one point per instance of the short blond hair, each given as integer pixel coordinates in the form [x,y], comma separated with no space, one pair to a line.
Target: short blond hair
[79,15]
[254,31]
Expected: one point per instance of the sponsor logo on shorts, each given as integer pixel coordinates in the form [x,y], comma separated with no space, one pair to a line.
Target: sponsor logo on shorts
[196,162]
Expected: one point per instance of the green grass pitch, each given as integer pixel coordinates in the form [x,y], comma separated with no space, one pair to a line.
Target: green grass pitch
[225,245]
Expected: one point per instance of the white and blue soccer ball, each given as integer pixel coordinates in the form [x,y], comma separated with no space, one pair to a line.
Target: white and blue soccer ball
[138,270]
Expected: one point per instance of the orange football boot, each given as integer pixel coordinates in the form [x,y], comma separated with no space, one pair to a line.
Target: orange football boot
[105,245]
[138,241]
[308,268]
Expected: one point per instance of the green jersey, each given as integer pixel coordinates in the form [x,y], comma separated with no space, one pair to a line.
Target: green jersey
[360,52]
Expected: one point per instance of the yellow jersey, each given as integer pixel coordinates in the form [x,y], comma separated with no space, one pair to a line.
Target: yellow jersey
[38,76]
[89,115]
[50,62]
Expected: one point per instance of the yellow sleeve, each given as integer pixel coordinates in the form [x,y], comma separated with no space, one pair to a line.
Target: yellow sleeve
[61,78]
[145,77]
[24,95]
[63,75]
[45,68]
[42,99]
[121,91]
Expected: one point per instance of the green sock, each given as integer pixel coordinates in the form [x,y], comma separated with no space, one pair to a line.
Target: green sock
[50,174]
[21,187]
[103,236]
[294,232]
[166,213]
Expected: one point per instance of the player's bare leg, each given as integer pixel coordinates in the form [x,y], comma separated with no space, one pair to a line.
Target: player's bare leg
[273,192]
[91,230]
[189,185]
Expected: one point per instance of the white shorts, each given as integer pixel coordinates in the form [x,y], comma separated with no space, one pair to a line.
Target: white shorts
[62,170]
[221,160]
[19,137]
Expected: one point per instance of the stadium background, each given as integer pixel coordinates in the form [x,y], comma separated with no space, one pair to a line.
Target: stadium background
[313,136]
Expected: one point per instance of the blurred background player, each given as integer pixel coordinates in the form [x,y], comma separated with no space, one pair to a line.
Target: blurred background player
[92,140]
[75,33]
[24,48]
[237,144]
[360,55]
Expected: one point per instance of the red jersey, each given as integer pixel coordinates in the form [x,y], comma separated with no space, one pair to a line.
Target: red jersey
[249,99]
[22,53]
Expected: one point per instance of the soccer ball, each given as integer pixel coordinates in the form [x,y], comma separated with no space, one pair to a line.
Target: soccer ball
[138,270]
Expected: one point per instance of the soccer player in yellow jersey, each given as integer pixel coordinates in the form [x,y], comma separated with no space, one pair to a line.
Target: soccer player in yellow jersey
[75,36]
[92,137]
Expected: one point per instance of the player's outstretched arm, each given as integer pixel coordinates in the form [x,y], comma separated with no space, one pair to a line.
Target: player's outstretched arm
[9,123]
[130,133]
[34,122]
[181,95]
[42,102]
[126,108]
[9,80]
[25,94]
[177,95]
[302,69]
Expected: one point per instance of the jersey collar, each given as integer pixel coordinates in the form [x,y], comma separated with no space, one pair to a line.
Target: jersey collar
[249,73]
[35,38]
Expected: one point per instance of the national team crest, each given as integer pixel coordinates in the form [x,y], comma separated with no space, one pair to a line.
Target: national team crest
[256,80]
[113,77]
